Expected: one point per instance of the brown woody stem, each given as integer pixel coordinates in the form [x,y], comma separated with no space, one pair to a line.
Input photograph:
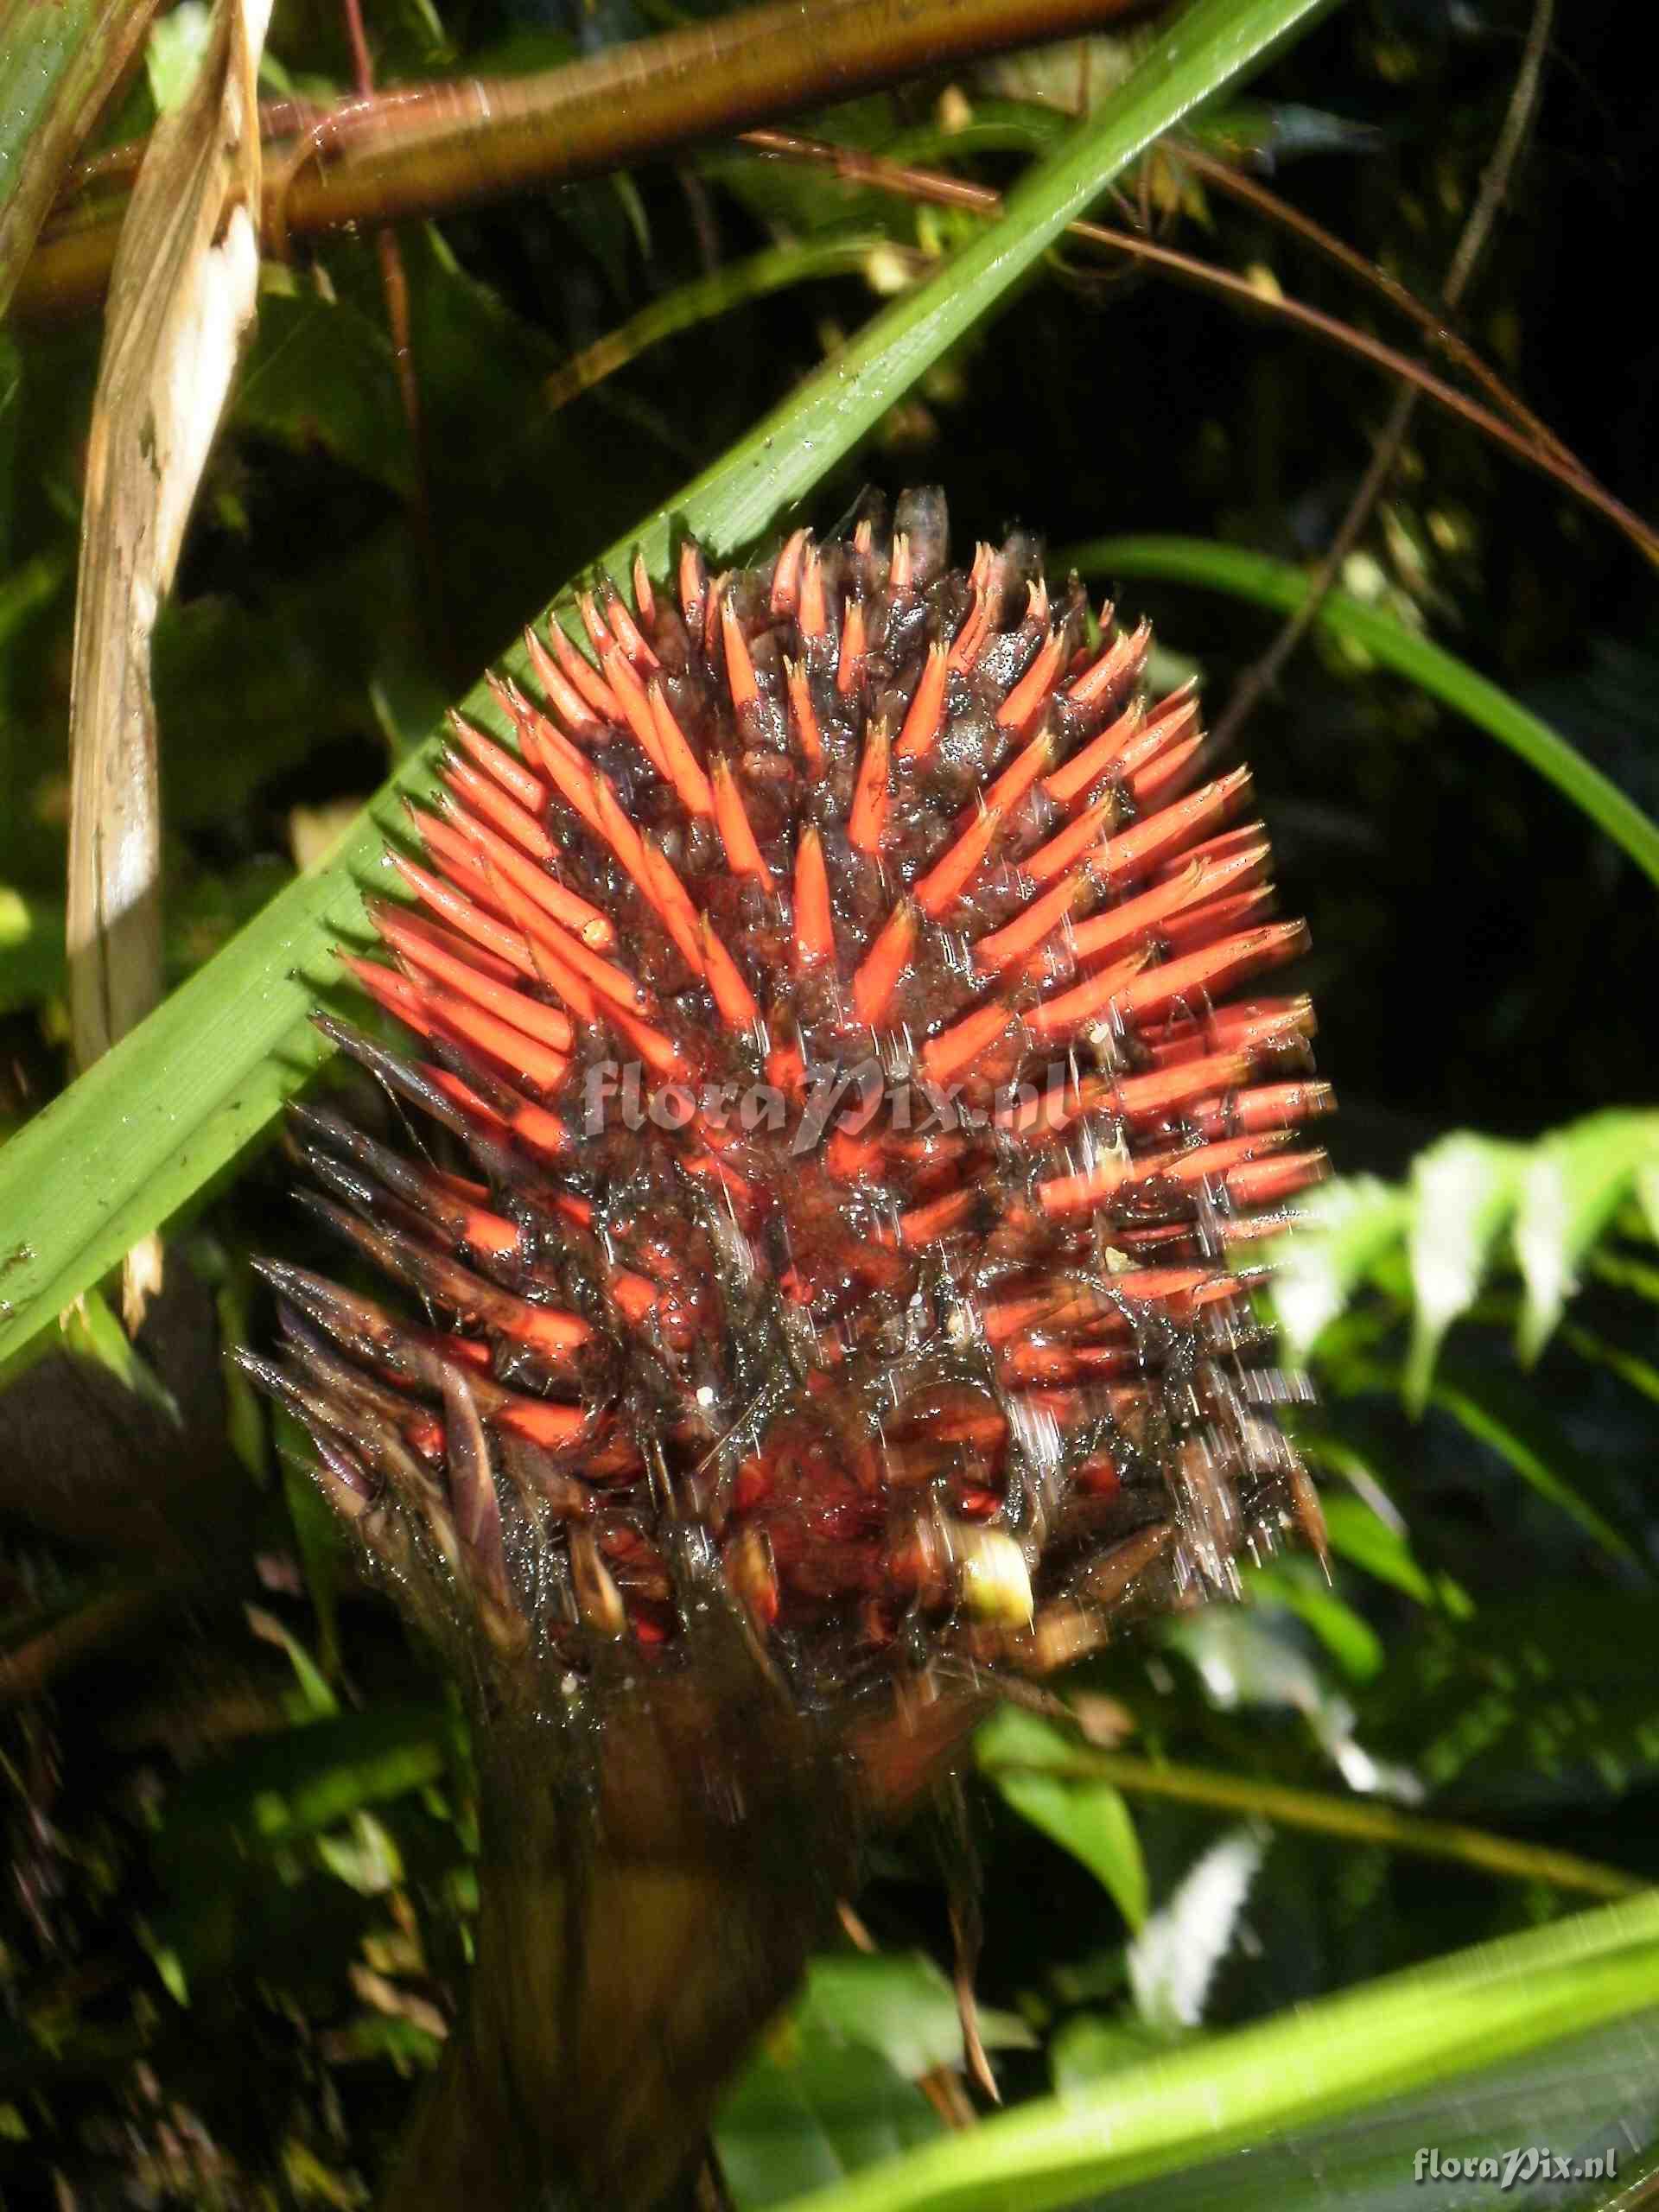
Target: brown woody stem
[440,147]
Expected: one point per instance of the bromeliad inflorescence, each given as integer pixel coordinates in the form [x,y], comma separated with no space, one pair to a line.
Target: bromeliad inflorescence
[826,1005]
[839,1151]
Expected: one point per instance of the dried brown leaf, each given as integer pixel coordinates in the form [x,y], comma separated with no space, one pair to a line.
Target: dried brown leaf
[182,302]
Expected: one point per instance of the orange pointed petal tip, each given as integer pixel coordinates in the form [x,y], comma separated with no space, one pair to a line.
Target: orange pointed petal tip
[868,816]
[684,768]
[804,719]
[568,769]
[580,672]
[734,1001]
[1022,773]
[1072,778]
[562,695]
[1212,919]
[966,1041]
[1095,999]
[882,967]
[922,720]
[944,883]
[1252,1170]
[815,926]
[1290,1102]
[538,946]
[1262,1027]
[508,944]
[743,854]
[901,572]
[1251,835]
[432,1012]
[1158,837]
[1150,1097]
[1267,1182]
[526,1058]
[486,798]
[395,991]
[1077,840]
[850,668]
[512,775]
[786,573]
[740,668]
[401,928]
[1192,979]
[592,622]
[1134,917]
[1166,776]
[624,680]
[693,584]
[1017,939]
[1118,666]
[627,631]
[673,903]
[1034,686]
[470,850]
[814,614]
[645,598]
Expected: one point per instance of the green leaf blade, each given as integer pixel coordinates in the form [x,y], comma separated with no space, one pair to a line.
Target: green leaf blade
[1090,1819]
[1462,1194]
[1414,2031]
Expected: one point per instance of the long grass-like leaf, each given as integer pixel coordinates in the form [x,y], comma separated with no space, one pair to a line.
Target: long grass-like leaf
[1411,2032]
[134,1140]
[1277,584]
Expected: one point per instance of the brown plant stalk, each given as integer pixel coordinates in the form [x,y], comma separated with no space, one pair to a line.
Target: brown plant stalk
[437,147]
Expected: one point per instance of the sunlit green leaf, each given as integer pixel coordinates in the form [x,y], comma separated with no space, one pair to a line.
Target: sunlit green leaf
[809,2108]
[31,949]
[173,53]
[1302,1588]
[1359,1534]
[1088,1818]
[1462,1193]
[91,1328]
[1348,1225]
[899,2003]
[1174,1958]
[1573,1186]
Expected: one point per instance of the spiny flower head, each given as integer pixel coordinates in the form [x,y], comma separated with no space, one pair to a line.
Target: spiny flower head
[840,1140]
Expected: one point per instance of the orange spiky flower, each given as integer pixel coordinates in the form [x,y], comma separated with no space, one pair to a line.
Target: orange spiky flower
[826,1024]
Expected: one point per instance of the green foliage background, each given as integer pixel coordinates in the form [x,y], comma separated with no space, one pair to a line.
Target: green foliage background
[239,1821]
